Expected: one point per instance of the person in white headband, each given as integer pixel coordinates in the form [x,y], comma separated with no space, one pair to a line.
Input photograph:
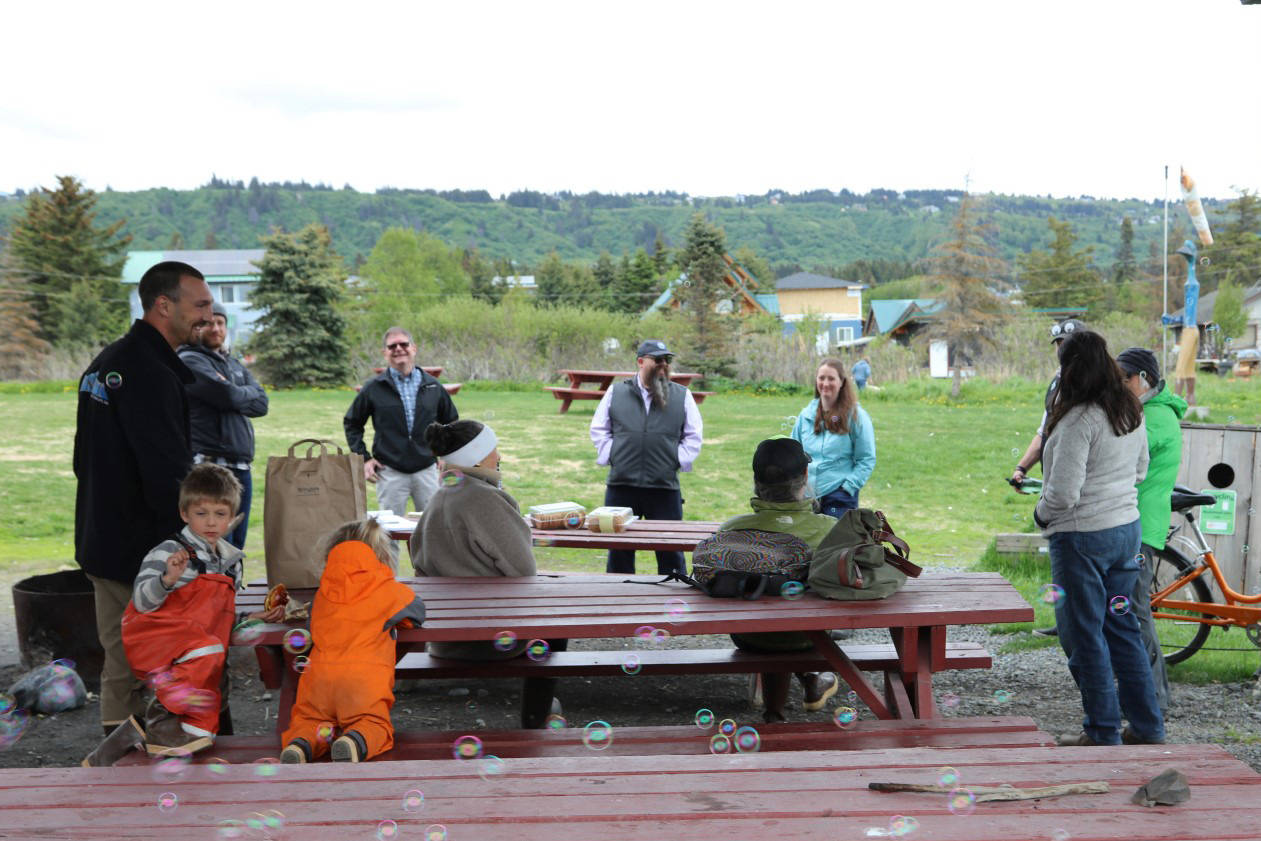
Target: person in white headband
[473,527]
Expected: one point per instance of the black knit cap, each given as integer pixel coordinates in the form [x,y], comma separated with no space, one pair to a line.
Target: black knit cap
[779,459]
[1137,360]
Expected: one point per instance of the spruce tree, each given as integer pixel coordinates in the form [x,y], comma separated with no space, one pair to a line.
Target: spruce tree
[21,348]
[1236,249]
[71,265]
[1062,276]
[300,338]
[710,334]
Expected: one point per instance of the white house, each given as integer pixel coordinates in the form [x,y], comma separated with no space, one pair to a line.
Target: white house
[230,273]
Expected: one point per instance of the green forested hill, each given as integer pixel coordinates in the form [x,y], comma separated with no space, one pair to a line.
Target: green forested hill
[809,230]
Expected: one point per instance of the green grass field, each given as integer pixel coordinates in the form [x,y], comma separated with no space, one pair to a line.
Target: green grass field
[940,472]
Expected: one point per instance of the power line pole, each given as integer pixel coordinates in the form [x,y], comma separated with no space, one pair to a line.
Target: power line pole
[1164,329]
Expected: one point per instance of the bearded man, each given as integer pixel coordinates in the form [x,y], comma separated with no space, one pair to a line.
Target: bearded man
[647,429]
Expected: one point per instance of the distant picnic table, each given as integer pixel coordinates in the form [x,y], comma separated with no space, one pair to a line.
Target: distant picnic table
[603,380]
[434,371]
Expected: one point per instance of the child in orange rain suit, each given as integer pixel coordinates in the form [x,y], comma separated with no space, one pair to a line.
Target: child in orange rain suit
[177,626]
[347,688]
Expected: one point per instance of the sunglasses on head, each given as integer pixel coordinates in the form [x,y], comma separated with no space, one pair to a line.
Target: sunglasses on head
[399,346]
[1061,331]
[666,359]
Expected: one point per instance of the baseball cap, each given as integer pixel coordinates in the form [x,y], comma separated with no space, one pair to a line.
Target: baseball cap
[653,348]
[779,459]
[1066,328]
[1137,360]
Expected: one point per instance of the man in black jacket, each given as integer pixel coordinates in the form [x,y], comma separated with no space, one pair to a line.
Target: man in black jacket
[131,450]
[401,401]
[221,402]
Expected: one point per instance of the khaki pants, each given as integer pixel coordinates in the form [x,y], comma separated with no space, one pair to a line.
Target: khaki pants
[121,693]
[394,487]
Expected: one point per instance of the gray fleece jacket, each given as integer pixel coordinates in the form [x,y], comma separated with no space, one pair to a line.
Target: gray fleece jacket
[1089,473]
[473,528]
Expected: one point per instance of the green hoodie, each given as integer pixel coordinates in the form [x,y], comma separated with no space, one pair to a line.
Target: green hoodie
[1161,412]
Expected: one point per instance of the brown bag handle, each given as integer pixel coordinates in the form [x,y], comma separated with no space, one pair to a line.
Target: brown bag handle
[901,559]
[322,443]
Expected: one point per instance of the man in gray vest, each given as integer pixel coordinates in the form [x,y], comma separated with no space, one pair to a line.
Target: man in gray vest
[647,429]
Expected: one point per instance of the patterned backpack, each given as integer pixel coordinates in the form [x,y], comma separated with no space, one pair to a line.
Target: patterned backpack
[749,562]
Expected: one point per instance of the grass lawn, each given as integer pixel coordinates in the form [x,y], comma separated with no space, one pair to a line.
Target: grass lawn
[940,473]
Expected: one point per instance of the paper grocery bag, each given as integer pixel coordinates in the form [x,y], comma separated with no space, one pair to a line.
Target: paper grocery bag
[307,497]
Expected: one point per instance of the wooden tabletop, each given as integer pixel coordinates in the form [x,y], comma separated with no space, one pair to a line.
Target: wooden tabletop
[640,535]
[785,796]
[578,376]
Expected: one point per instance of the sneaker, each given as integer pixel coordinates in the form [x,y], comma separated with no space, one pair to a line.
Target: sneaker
[167,736]
[818,688]
[1070,740]
[1047,632]
[349,747]
[297,752]
[1129,737]
[123,739]
[755,691]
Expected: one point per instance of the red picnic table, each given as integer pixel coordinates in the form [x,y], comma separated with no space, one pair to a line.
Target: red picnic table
[599,795]
[611,606]
[603,380]
[431,370]
[640,535]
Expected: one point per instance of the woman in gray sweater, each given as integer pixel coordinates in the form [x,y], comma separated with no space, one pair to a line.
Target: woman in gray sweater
[1095,453]
[472,527]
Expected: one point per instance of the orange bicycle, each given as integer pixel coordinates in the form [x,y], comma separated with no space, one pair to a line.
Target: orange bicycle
[1181,594]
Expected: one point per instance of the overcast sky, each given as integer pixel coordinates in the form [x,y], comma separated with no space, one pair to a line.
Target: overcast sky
[1066,97]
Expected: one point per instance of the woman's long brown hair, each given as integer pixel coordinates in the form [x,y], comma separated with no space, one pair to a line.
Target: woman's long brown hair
[846,399]
[1089,374]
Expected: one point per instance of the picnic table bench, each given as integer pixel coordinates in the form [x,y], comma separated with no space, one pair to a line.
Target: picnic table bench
[799,795]
[610,606]
[603,380]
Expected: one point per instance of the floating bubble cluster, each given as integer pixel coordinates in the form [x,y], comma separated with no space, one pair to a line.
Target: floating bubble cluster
[747,740]
[727,727]
[719,743]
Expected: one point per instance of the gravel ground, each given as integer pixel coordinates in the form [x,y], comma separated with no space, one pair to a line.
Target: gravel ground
[1035,683]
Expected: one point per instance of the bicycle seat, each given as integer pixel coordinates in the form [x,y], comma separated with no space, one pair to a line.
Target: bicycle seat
[1183,498]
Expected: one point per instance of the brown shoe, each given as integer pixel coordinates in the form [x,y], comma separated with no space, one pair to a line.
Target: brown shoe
[1081,740]
[166,736]
[121,741]
[1129,737]
[817,688]
[349,747]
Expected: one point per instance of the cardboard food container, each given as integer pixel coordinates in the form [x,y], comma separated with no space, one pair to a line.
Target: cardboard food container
[557,515]
[608,519]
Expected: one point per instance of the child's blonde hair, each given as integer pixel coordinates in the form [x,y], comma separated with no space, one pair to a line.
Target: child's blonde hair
[365,531]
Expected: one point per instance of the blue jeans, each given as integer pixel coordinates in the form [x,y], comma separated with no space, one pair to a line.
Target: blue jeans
[1106,655]
[237,538]
[837,503]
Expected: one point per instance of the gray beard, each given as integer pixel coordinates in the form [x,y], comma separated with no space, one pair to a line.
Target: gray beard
[659,387]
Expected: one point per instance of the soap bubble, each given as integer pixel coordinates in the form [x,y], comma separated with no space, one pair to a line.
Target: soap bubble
[268,766]
[387,830]
[1015,452]
[597,735]
[216,767]
[1051,593]
[792,590]
[852,697]
[631,664]
[676,609]
[324,732]
[300,663]
[297,641]
[7,703]
[1119,605]
[490,766]
[1002,696]
[467,747]
[505,640]
[704,719]
[947,777]
[471,706]
[727,726]
[413,800]
[435,832]
[899,825]
[537,650]
[949,700]
[451,478]
[248,632]
[962,802]
[1060,835]
[172,766]
[660,636]
[556,722]
[644,633]
[719,744]
[573,521]
[114,379]
[845,717]
[167,802]
[230,829]
[747,740]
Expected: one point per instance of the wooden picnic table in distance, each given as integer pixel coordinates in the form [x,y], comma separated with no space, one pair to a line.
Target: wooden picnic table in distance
[786,796]
[431,370]
[604,606]
[603,380]
[640,536]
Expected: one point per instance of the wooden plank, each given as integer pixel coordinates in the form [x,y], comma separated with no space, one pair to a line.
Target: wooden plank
[1013,543]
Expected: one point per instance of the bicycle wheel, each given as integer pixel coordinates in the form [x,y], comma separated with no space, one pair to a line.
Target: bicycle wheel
[1179,638]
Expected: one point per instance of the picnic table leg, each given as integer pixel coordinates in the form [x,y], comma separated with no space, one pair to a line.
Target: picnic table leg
[288,693]
[919,651]
[848,672]
[564,405]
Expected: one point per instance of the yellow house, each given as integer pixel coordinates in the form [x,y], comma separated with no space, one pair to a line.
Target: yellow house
[837,303]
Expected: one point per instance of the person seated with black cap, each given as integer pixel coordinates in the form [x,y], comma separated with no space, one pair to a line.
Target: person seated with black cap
[781,504]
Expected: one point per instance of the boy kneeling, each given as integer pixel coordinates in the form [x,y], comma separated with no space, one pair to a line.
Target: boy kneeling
[177,627]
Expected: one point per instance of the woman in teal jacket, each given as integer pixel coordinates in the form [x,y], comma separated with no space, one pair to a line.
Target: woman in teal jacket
[837,434]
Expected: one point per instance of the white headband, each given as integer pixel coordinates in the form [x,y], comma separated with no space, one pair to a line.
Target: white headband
[474,451]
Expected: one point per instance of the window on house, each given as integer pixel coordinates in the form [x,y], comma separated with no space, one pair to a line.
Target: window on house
[844,334]
[242,293]
[226,294]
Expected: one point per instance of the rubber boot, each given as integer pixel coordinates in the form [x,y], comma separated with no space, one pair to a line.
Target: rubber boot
[817,688]
[349,747]
[125,738]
